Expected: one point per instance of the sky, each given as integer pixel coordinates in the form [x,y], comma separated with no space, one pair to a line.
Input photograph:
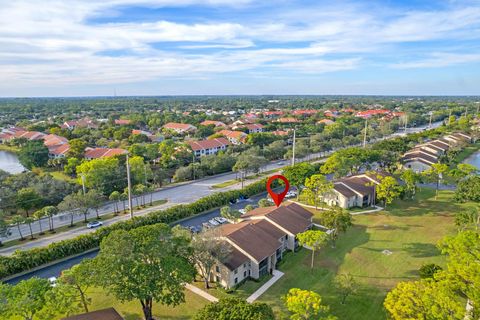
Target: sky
[222,47]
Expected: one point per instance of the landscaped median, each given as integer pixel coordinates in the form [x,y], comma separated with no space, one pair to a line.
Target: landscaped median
[22,261]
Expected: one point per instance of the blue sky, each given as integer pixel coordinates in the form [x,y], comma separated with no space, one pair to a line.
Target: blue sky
[172,47]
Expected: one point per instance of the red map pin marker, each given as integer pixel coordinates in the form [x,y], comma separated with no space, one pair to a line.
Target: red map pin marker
[277,197]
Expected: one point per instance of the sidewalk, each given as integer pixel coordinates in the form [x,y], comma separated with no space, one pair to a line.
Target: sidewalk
[377,208]
[276,276]
[201,293]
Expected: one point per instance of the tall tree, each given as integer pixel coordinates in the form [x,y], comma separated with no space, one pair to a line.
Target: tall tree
[77,148]
[435,174]
[39,215]
[235,309]
[318,186]
[18,220]
[208,251]
[467,218]
[4,227]
[313,239]
[468,190]
[50,212]
[25,299]
[304,304]
[298,173]
[411,179]
[27,199]
[387,190]
[146,264]
[337,220]
[33,154]
[230,214]
[346,285]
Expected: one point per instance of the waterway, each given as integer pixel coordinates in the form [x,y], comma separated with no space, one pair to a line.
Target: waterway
[9,162]
[474,159]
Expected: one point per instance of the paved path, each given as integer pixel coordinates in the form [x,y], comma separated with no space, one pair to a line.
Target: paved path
[276,276]
[201,293]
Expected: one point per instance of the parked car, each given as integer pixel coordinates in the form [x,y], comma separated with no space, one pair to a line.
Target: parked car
[53,281]
[94,224]
[221,220]
[233,201]
[194,229]
[213,222]
[206,225]
[291,194]
[242,211]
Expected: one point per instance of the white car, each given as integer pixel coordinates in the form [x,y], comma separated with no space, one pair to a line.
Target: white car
[94,224]
[291,194]
[53,281]
[213,222]
[242,211]
[221,220]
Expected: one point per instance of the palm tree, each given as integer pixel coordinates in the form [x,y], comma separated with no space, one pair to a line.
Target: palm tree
[50,211]
[115,197]
[39,215]
[18,220]
[29,221]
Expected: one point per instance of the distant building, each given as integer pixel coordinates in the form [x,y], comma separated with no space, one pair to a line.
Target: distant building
[273,114]
[254,128]
[180,127]
[279,133]
[235,137]
[122,122]
[305,112]
[207,147]
[326,122]
[287,120]
[96,153]
[82,123]
[213,122]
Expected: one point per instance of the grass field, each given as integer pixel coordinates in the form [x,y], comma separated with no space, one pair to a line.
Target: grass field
[410,230]
[132,310]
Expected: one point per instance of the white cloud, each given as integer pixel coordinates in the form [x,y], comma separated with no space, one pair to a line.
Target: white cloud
[50,42]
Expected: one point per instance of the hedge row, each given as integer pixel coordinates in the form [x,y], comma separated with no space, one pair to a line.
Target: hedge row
[22,261]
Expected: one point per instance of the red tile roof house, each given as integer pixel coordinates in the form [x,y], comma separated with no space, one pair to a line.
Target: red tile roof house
[354,191]
[326,122]
[279,133]
[215,123]
[96,153]
[254,128]
[207,147]
[122,122]
[287,120]
[273,114]
[57,146]
[308,112]
[82,123]
[258,242]
[371,113]
[180,127]
[235,137]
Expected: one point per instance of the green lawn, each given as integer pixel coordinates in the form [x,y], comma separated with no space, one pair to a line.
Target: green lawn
[132,310]
[410,230]
[244,291]
[227,183]
[5,147]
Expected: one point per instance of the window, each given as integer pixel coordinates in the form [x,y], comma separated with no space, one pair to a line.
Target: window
[217,268]
[236,271]
[286,237]
[236,280]
[244,274]
[244,265]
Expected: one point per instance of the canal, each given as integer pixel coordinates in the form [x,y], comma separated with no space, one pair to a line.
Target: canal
[9,162]
[474,159]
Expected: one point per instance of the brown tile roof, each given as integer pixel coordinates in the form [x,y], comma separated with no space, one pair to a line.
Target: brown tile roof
[208,144]
[104,314]
[235,259]
[59,149]
[253,126]
[96,153]
[343,189]
[122,121]
[291,217]
[237,135]
[279,133]
[53,139]
[179,126]
[287,120]
[215,123]
[419,155]
[440,144]
[258,238]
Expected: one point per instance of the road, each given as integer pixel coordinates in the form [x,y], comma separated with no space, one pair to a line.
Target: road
[178,194]
[56,269]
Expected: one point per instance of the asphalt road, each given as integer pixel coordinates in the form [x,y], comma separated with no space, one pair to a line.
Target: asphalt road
[56,269]
[178,194]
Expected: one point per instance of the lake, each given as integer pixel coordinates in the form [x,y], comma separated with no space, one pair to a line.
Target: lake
[9,162]
[474,159]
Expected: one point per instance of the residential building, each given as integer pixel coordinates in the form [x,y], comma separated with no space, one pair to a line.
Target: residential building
[82,123]
[258,242]
[217,124]
[354,191]
[96,153]
[326,122]
[180,127]
[254,128]
[207,147]
[279,133]
[287,120]
[273,114]
[122,122]
[235,137]
[307,112]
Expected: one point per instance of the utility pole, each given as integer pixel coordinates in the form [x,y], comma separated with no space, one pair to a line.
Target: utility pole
[145,172]
[406,122]
[129,184]
[365,134]
[193,165]
[293,149]
[430,123]
[83,183]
